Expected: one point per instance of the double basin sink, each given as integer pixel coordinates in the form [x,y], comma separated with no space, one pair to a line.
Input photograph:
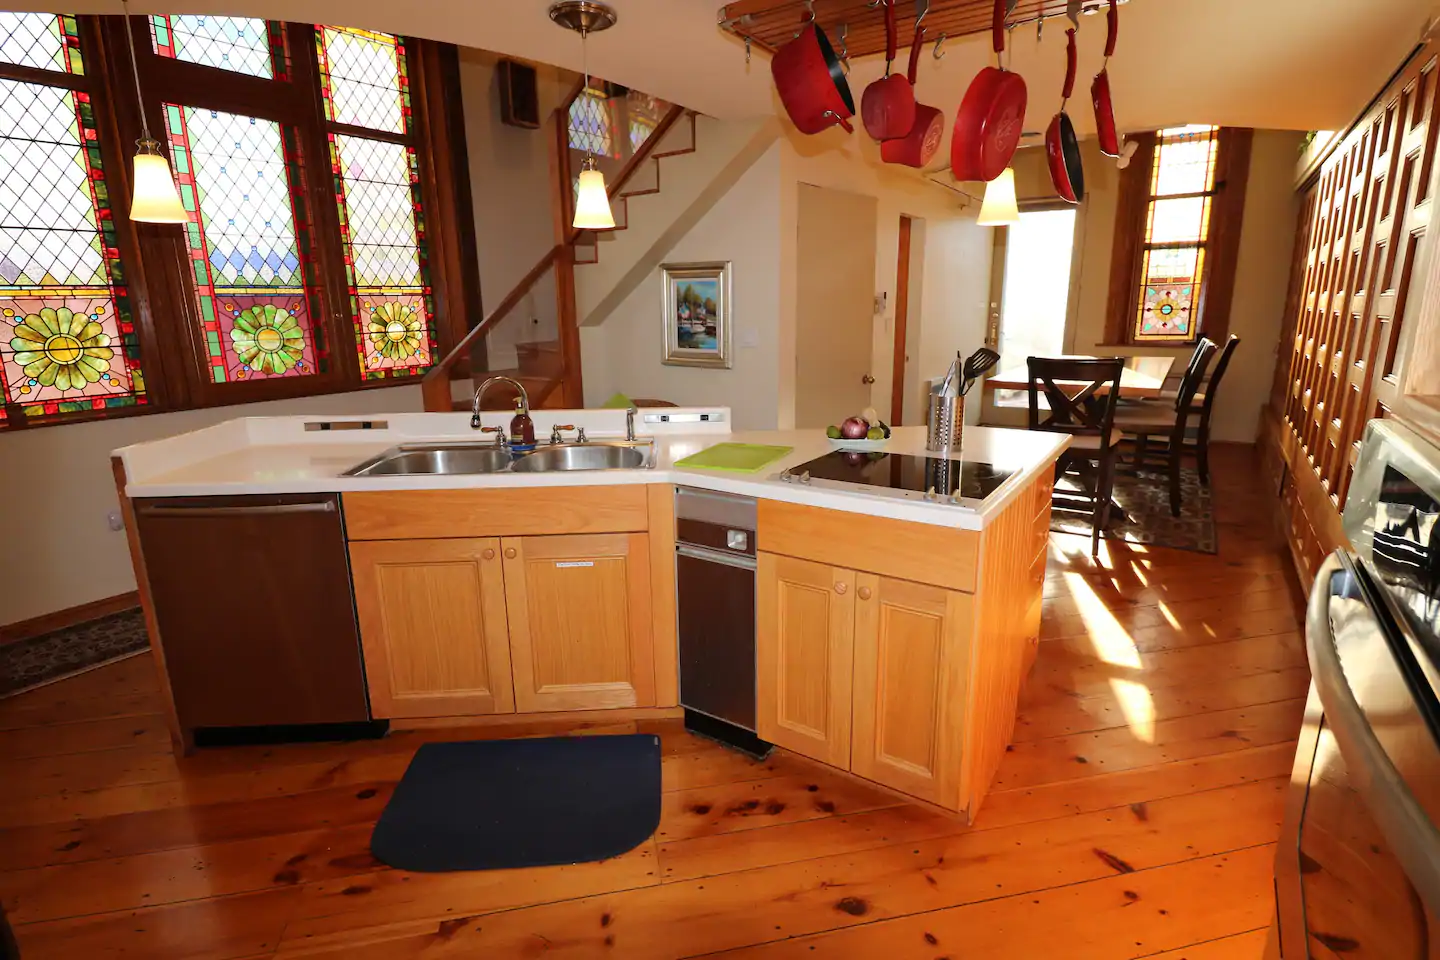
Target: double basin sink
[450,459]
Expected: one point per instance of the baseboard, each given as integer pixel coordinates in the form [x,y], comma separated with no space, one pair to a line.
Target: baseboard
[622,715]
[69,617]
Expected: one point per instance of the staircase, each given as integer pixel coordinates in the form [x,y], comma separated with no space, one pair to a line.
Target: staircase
[546,301]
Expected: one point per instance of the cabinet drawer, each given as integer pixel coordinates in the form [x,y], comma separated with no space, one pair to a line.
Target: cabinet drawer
[919,552]
[494,512]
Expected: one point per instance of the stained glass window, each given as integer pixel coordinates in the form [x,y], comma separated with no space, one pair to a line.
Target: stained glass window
[643,114]
[591,125]
[67,341]
[377,187]
[242,44]
[1172,273]
[249,253]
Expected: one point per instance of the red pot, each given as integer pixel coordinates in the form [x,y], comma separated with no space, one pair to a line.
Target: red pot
[919,146]
[811,82]
[991,117]
[887,107]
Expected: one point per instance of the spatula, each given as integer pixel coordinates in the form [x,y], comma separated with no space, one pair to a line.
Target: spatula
[978,364]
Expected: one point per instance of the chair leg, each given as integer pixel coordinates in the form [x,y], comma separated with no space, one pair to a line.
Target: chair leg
[1140,443]
[1177,456]
[1202,453]
[1104,487]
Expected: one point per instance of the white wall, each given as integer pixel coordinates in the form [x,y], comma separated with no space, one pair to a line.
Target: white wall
[623,354]
[58,549]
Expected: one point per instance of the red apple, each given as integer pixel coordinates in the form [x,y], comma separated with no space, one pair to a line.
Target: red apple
[854,428]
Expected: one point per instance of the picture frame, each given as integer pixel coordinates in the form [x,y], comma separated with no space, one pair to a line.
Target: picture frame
[696,314]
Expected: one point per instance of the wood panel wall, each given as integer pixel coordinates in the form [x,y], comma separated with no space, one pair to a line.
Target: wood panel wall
[1365,215]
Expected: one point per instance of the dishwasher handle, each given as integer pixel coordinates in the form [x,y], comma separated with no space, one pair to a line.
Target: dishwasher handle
[715,556]
[246,510]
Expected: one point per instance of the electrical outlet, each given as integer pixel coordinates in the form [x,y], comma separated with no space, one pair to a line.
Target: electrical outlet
[113,521]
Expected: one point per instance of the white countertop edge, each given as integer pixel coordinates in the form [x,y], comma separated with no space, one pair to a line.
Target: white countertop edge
[232,458]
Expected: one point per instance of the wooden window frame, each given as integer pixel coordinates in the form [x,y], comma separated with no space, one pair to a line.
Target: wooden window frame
[1222,241]
[155,256]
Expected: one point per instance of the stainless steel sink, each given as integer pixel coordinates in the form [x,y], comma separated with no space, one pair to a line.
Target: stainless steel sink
[448,459]
[431,459]
[584,456]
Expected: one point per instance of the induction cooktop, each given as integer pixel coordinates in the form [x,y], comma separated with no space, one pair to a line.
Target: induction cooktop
[934,479]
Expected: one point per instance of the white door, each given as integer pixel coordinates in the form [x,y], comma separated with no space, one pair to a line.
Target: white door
[835,287]
[1036,296]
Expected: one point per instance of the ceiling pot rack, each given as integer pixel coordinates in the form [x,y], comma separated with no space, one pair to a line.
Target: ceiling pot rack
[769,24]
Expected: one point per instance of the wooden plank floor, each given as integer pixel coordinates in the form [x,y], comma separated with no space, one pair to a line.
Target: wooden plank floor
[1135,816]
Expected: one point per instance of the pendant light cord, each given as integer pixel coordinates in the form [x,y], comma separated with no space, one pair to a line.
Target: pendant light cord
[135,72]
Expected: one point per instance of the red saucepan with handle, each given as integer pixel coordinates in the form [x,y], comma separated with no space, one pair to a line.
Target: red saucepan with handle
[1062,148]
[811,82]
[987,128]
[918,147]
[1100,90]
[887,108]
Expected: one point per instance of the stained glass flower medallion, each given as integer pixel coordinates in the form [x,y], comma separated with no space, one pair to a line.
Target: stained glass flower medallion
[62,348]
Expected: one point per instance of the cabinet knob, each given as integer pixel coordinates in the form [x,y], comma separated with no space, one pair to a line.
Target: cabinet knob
[488,554]
[509,553]
[863,593]
[840,588]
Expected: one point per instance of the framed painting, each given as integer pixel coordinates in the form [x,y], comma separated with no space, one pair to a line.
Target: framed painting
[697,314]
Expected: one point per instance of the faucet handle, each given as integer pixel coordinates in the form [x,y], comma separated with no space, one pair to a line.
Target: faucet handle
[502,439]
[555,431]
[580,437]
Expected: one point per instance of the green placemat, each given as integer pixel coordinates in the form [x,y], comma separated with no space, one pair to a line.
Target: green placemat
[735,457]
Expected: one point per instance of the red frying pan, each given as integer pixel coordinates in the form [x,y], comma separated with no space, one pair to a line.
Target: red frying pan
[1062,148]
[987,128]
[811,82]
[918,147]
[1100,90]
[887,108]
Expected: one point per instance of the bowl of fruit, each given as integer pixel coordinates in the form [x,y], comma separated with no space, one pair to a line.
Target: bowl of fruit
[865,432]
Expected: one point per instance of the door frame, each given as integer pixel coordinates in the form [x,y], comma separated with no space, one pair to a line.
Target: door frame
[902,321]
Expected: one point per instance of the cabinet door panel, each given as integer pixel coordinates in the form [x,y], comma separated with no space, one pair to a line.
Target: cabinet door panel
[433,626]
[908,652]
[804,646]
[580,623]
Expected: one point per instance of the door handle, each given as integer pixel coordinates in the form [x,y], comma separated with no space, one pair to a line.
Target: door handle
[248,510]
[867,379]
[488,553]
[509,553]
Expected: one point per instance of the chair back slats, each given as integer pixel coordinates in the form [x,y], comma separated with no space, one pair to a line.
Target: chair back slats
[1221,365]
[1081,395]
[1194,373]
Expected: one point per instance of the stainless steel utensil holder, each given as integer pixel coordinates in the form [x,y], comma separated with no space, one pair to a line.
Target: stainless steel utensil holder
[946,423]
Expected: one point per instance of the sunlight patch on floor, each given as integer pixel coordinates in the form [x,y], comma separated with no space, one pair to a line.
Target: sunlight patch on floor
[1112,643]
[1169,617]
[1138,707]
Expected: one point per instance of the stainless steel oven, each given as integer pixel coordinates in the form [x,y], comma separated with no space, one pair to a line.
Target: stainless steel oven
[1358,869]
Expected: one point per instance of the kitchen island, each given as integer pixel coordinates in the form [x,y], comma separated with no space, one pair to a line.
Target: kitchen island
[893,632]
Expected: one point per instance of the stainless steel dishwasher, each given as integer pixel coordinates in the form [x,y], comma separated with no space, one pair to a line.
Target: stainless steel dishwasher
[715,586]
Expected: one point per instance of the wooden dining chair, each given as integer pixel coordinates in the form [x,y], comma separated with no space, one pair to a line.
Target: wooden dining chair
[1168,421]
[1204,403]
[1081,397]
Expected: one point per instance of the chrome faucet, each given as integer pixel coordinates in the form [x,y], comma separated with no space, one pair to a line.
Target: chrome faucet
[630,412]
[480,395]
[555,436]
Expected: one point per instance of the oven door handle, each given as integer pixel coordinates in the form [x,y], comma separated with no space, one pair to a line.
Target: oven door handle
[739,560]
[1413,839]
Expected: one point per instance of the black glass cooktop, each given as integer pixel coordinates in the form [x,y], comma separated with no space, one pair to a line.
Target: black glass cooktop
[963,482]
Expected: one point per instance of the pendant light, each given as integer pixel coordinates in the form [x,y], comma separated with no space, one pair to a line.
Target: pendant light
[999,206]
[155,199]
[592,201]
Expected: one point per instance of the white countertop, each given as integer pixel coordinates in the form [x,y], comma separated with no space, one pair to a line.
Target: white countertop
[280,455]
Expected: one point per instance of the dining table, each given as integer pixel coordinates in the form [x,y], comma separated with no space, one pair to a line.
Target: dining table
[1139,380]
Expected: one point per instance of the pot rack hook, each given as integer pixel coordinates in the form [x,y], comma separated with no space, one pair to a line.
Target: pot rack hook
[938,53]
[809,9]
[747,51]
[845,48]
[922,10]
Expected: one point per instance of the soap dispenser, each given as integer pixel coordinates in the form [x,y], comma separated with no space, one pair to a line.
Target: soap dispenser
[522,429]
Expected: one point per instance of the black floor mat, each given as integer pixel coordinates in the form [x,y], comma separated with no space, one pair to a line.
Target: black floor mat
[497,804]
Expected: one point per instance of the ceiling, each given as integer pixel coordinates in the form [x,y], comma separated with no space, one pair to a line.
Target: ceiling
[1290,64]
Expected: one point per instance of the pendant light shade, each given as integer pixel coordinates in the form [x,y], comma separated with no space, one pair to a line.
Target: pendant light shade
[592,204]
[155,199]
[999,207]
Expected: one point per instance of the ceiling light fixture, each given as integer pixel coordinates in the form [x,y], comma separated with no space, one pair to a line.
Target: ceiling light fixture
[154,198]
[999,206]
[592,201]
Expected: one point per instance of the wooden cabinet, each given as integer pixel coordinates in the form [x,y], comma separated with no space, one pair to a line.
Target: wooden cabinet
[804,651]
[433,626]
[908,676]
[580,621]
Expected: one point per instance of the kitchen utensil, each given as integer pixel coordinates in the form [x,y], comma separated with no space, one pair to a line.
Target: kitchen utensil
[949,381]
[918,147]
[887,108]
[811,82]
[988,125]
[945,423]
[978,364]
[1062,149]
[1105,134]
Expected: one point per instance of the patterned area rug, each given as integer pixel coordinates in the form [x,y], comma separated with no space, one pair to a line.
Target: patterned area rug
[1146,498]
[27,664]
